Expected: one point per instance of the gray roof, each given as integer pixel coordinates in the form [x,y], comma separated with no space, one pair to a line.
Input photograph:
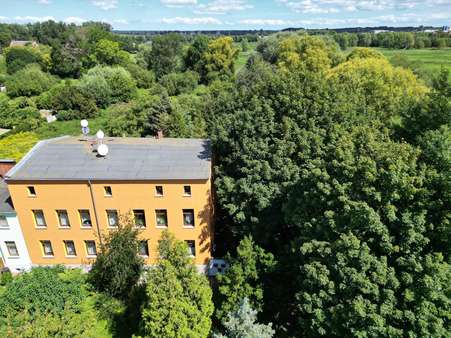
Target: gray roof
[73,158]
[6,204]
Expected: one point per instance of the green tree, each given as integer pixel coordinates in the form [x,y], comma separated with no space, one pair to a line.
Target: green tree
[66,61]
[364,53]
[18,57]
[180,83]
[107,52]
[165,55]
[29,81]
[219,59]
[108,85]
[242,323]
[179,298]
[194,54]
[118,265]
[364,262]
[244,278]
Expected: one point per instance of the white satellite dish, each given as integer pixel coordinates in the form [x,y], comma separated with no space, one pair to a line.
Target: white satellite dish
[84,123]
[100,135]
[102,150]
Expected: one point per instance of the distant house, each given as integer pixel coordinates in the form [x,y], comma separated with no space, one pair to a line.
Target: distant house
[48,115]
[23,43]
[2,88]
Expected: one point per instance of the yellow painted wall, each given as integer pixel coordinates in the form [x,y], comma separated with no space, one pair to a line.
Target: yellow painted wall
[72,196]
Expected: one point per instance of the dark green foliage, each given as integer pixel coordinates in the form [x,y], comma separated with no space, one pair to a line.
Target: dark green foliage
[193,57]
[165,54]
[69,101]
[244,278]
[18,57]
[66,61]
[43,290]
[180,83]
[144,78]
[118,266]
[29,81]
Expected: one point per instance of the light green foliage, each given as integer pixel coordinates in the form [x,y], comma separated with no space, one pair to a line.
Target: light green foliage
[118,266]
[243,278]
[364,53]
[107,52]
[179,298]
[50,302]
[29,81]
[375,88]
[108,85]
[144,78]
[19,113]
[219,59]
[17,145]
[242,323]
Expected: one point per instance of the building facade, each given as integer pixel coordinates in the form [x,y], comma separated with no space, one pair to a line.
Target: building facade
[67,197]
[13,250]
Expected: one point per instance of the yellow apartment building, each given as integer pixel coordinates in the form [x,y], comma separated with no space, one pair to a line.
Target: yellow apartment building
[66,196]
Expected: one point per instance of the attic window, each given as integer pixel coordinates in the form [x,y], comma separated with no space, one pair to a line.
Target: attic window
[31,191]
[158,190]
[108,191]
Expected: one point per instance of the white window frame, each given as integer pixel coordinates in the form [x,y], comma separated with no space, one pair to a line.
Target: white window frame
[67,251]
[35,211]
[61,211]
[10,255]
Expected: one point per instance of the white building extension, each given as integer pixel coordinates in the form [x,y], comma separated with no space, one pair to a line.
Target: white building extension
[13,251]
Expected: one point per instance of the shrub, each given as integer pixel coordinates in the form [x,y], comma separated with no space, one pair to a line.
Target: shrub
[178,83]
[29,81]
[18,57]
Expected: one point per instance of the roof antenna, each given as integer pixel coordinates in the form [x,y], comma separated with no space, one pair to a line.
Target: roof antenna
[102,149]
[84,128]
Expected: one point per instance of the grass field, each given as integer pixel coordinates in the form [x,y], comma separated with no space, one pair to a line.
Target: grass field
[429,59]
[244,56]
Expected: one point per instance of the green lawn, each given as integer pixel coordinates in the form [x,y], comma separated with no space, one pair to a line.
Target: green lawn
[244,56]
[431,59]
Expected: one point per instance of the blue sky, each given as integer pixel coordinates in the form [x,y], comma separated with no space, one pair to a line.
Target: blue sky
[231,14]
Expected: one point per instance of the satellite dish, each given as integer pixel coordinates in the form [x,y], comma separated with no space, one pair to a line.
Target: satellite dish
[84,123]
[102,150]
[100,135]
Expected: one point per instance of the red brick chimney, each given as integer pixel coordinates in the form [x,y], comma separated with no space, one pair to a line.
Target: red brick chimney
[159,135]
[5,166]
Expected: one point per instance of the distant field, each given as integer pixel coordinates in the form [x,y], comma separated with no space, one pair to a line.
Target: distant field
[430,59]
[244,56]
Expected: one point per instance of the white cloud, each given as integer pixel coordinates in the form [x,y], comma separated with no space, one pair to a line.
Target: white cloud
[265,22]
[334,6]
[178,3]
[3,18]
[44,2]
[223,7]
[34,18]
[74,19]
[105,4]
[191,21]
[120,21]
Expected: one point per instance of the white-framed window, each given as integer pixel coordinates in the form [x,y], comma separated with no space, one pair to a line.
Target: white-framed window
[47,248]
[91,249]
[161,216]
[31,191]
[188,217]
[144,248]
[159,190]
[113,218]
[140,218]
[108,191]
[3,221]
[85,218]
[39,219]
[191,248]
[63,218]
[12,249]
[70,248]
[186,190]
